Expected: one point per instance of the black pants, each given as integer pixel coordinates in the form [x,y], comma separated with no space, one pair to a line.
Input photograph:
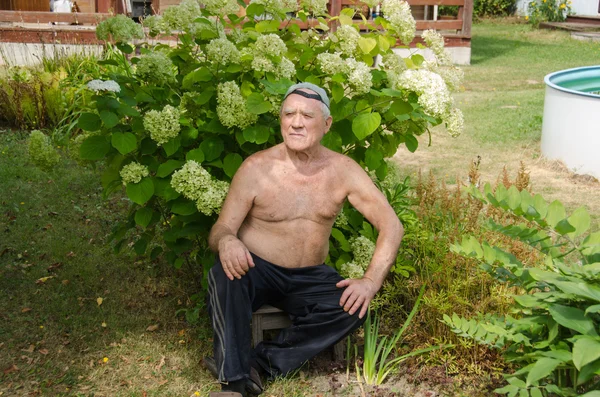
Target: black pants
[308,295]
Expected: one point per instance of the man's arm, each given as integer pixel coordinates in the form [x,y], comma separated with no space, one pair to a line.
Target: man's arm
[235,257]
[372,204]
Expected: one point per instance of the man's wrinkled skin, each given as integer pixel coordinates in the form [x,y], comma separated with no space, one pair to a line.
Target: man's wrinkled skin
[283,202]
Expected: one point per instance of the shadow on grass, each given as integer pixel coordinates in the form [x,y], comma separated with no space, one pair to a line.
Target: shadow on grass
[75,317]
[486,48]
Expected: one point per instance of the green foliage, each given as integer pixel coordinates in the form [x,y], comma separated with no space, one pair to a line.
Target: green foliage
[376,366]
[494,8]
[41,151]
[548,10]
[553,333]
[214,100]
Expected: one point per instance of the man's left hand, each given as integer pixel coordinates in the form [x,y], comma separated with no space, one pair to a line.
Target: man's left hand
[358,295]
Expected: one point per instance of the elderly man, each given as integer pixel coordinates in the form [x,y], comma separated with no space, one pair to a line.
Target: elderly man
[272,238]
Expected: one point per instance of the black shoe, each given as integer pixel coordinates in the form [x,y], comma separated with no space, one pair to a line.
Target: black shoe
[253,383]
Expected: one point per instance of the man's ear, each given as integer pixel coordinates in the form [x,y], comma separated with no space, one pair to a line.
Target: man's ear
[328,123]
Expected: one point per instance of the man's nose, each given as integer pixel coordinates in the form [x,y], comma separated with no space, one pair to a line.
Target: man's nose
[297,121]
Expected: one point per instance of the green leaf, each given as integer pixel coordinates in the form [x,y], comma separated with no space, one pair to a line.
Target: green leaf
[256,104]
[140,192]
[585,351]
[124,142]
[184,207]
[332,141]
[580,219]
[588,372]
[172,146]
[231,163]
[556,213]
[564,227]
[542,369]
[535,392]
[199,75]
[196,155]
[367,44]
[594,393]
[94,148]
[257,133]
[164,190]
[400,107]
[126,110]
[267,26]
[337,92]
[573,318]
[365,124]
[168,167]
[212,148]
[373,158]
[109,118]
[514,198]
[89,122]
[143,216]
[411,142]
[339,236]
[255,9]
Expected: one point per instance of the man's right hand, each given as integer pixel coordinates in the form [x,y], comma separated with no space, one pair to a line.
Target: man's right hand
[235,257]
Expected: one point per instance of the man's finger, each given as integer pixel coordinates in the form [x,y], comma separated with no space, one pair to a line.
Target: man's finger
[344,297]
[357,304]
[364,309]
[249,258]
[243,262]
[350,301]
[343,283]
[227,271]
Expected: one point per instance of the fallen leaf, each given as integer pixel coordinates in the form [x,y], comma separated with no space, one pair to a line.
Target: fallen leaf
[181,332]
[11,369]
[54,266]
[161,363]
[144,394]
[48,226]
[65,282]
[43,279]
[70,254]
[152,328]
[103,325]
[43,351]
[52,213]
[99,301]
[4,251]
[30,349]
[25,309]
[162,382]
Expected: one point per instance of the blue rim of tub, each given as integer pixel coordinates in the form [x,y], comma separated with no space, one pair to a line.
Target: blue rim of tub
[571,76]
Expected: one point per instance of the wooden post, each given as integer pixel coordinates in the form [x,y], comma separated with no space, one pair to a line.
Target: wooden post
[467,18]
[103,6]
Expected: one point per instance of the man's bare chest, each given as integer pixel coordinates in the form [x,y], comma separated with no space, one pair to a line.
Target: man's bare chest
[287,199]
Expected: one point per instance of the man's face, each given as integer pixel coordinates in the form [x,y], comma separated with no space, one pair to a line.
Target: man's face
[302,122]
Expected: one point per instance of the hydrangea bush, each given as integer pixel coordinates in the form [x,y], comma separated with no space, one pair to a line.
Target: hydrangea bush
[185,117]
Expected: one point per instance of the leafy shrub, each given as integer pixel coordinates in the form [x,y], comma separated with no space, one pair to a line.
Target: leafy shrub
[192,113]
[494,8]
[548,10]
[553,333]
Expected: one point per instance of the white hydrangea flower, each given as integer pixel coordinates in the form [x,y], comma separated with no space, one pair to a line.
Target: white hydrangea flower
[435,42]
[399,15]
[348,38]
[221,7]
[270,45]
[133,173]
[163,125]
[351,270]
[341,220]
[286,68]
[100,85]
[277,6]
[452,75]
[231,107]
[455,122]
[195,183]
[182,16]
[332,63]
[434,95]
[222,51]
[211,200]
[238,35]
[315,6]
[359,76]
[362,250]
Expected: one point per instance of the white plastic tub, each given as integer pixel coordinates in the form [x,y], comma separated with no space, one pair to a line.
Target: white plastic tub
[571,125]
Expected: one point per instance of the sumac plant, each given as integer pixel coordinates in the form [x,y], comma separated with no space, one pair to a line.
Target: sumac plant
[553,335]
[173,124]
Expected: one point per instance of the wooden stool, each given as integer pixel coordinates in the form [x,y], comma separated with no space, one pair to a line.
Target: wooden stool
[269,317]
